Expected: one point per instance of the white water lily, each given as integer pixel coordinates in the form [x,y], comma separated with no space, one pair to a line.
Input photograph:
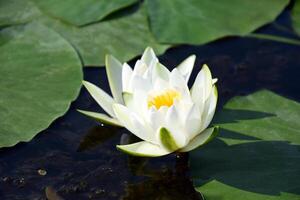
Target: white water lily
[157,106]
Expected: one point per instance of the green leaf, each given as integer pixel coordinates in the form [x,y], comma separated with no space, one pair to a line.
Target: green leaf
[257,155]
[17,12]
[124,38]
[81,12]
[40,76]
[198,22]
[296,16]
[280,124]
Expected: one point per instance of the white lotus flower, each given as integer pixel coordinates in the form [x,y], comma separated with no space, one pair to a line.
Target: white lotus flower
[156,105]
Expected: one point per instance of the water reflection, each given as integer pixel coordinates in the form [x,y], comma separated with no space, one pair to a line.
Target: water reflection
[160,183]
[96,136]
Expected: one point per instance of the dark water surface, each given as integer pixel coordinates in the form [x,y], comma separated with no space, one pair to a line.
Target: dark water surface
[77,159]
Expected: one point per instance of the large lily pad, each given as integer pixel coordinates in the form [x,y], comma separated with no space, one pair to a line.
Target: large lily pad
[124,38]
[17,11]
[257,155]
[81,12]
[296,16]
[40,76]
[194,21]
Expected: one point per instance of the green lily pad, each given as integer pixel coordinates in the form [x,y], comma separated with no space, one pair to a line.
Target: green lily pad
[17,12]
[81,12]
[40,76]
[296,16]
[257,155]
[124,38]
[198,22]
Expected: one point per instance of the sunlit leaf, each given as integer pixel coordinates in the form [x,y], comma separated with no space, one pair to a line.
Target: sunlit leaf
[40,76]
[194,21]
[257,155]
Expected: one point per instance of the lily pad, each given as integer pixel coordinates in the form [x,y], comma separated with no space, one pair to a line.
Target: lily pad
[40,76]
[81,12]
[124,38]
[257,155]
[198,22]
[296,16]
[17,11]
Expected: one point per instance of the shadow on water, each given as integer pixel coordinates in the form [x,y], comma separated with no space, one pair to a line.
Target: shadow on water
[266,167]
[236,115]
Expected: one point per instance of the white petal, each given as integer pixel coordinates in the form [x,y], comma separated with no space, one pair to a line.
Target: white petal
[103,118]
[144,149]
[160,84]
[201,139]
[114,74]
[101,97]
[186,67]
[128,99]
[160,71]
[214,81]
[157,117]
[175,127]
[139,68]
[139,83]
[210,107]
[178,82]
[193,122]
[126,77]
[202,86]
[148,56]
[133,123]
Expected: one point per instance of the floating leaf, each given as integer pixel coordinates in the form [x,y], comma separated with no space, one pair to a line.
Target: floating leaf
[296,16]
[40,76]
[258,153]
[17,11]
[81,12]
[194,21]
[124,38]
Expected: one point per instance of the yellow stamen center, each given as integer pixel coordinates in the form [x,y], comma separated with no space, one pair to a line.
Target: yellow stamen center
[164,98]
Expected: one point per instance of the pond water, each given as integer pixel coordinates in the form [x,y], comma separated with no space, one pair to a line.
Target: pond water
[76,158]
